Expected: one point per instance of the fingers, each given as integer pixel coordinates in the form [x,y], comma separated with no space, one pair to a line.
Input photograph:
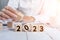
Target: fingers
[4,15]
[1,18]
[11,9]
[7,12]
[19,14]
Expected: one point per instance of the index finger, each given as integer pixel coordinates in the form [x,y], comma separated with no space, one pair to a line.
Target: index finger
[14,11]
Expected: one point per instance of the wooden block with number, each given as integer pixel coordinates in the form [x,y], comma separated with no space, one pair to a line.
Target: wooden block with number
[27,27]
[41,27]
[18,27]
[1,26]
[15,25]
[34,27]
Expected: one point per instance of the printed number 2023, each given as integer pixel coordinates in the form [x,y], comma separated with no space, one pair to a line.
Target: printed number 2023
[28,28]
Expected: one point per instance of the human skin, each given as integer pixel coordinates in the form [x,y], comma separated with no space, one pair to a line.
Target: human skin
[9,12]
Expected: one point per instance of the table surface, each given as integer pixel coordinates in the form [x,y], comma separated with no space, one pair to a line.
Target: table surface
[48,34]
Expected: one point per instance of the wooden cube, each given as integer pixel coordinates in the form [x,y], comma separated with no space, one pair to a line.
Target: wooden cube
[1,26]
[41,27]
[10,24]
[18,27]
[27,27]
[34,27]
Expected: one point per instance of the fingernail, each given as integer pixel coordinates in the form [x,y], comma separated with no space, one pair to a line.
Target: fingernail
[15,17]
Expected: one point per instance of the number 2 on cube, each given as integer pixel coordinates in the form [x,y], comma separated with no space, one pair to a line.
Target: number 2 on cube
[18,28]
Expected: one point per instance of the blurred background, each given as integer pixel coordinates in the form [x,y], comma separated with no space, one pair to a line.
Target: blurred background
[3,3]
[51,10]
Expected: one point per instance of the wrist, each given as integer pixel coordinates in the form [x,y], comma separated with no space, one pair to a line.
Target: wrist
[28,19]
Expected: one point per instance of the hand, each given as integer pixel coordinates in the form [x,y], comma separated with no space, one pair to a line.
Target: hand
[28,19]
[8,12]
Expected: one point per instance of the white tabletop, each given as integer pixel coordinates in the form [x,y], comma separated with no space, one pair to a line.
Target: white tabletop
[8,35]
[48,34]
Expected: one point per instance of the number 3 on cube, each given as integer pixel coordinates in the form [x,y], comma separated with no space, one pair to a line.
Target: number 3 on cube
[41,29]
